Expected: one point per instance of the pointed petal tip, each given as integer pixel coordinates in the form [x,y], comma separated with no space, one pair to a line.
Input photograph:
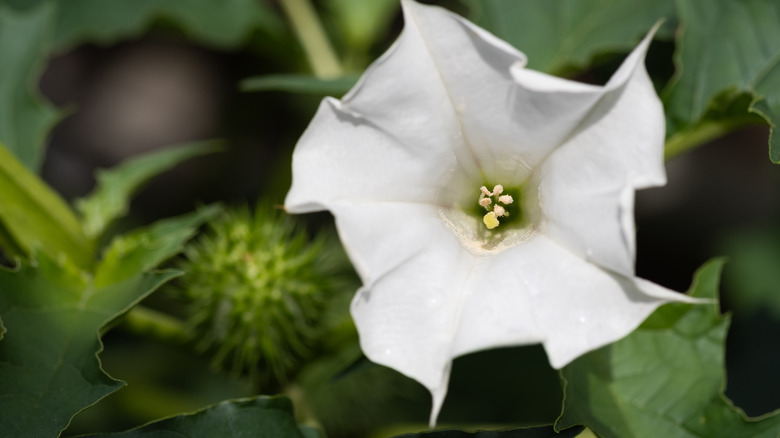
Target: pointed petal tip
[437,399]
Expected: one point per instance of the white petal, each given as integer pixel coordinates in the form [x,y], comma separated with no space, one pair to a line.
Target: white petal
[443,302]
[407,315]
[344,157]
[586,186]
[507,128]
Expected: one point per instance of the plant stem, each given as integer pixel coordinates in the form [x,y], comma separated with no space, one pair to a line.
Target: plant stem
[145,321]
[703,133]
[308,28]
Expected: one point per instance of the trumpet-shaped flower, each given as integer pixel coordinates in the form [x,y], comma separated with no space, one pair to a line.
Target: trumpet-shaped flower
[484,204]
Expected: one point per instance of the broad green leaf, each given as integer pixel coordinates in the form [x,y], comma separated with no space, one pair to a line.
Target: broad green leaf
[665,379]
[300,84]
[221,23]
[35,218]
[25,118]
[145,248]
[532,432]
[255,417]
[561,35]
[49,369]
[116,186]
[726,44]
[728,111]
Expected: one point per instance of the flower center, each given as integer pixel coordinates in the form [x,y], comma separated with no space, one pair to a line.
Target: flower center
[500,218]
[496,205]
[500,206]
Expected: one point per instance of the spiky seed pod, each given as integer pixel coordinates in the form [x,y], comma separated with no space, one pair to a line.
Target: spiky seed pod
[257,288]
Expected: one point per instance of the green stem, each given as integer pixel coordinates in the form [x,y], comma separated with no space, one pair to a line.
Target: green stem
[149,322]
[702,133]
[303,413]
[308,28]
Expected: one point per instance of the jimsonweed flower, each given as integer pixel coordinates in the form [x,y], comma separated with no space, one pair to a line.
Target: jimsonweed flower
[484,204]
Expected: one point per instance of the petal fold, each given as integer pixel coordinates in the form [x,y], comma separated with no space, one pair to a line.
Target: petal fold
[586,186]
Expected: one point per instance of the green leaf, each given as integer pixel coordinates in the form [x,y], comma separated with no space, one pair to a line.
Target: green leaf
[33,217]
[145,248]
[116,186]
[532,432]
[728,111]
[665,379]
[726,44]
[564,34]
[221,23]
[49,369]
[300,84]
[25,118]
[255,417]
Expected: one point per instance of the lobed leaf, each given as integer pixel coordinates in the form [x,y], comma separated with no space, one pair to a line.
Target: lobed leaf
[558,35]
[665,379]
[726,44]
[25,118]
[116,186]
[145,248]
[256,417]
[49,369]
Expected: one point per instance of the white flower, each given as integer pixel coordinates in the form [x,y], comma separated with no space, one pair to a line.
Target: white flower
[401,162]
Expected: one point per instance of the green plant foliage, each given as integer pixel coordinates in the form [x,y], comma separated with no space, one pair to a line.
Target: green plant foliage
[533,432]
[300,84]
[116,186]
[52,313]
[728,111]
[726,44]
[564,34]
[254,417]
[49,370]
[220,23]
[34,218]
[665,379]
[24,117]
[143,249]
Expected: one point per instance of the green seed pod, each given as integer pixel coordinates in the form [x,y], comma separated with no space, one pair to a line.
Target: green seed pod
[258,288]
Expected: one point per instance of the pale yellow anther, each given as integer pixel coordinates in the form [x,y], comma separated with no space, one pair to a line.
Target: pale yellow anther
[499,210]
[506,199]
[498,189]
[490,220]
[485,191]
[485,202]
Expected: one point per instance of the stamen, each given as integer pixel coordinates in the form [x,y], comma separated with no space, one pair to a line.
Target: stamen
[485,202]
[499,211]
[506,199]
[490,220]
[498,189]
[485,191]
